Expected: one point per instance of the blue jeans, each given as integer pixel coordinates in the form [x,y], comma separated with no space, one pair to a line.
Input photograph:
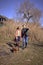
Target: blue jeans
[25,41]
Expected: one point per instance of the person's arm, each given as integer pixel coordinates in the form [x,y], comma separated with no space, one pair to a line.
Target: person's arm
[15,34]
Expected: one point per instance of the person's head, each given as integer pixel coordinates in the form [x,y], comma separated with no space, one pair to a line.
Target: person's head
[17,28]
[24,26]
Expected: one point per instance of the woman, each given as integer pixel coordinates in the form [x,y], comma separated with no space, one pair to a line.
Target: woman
[18,36]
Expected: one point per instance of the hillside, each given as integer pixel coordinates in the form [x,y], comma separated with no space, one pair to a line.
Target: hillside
[32,55]
[8,29]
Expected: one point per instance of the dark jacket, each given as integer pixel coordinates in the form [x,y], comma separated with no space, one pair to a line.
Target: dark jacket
[24,32]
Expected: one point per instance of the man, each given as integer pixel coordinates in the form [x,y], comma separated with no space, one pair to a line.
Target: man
[24,35]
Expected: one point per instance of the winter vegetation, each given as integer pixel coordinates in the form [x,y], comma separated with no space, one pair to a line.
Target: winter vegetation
[33,54]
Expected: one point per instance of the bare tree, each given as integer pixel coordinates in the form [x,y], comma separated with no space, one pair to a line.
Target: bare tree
[28,11]
[36,14]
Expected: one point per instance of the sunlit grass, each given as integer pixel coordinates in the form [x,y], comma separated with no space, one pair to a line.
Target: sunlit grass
[32,55]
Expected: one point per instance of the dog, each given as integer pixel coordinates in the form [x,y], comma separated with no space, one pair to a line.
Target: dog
[13,47]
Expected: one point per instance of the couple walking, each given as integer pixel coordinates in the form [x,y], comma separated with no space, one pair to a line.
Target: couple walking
[22,34]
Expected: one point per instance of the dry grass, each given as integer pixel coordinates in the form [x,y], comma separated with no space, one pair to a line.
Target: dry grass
[7,31]
[33,55]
